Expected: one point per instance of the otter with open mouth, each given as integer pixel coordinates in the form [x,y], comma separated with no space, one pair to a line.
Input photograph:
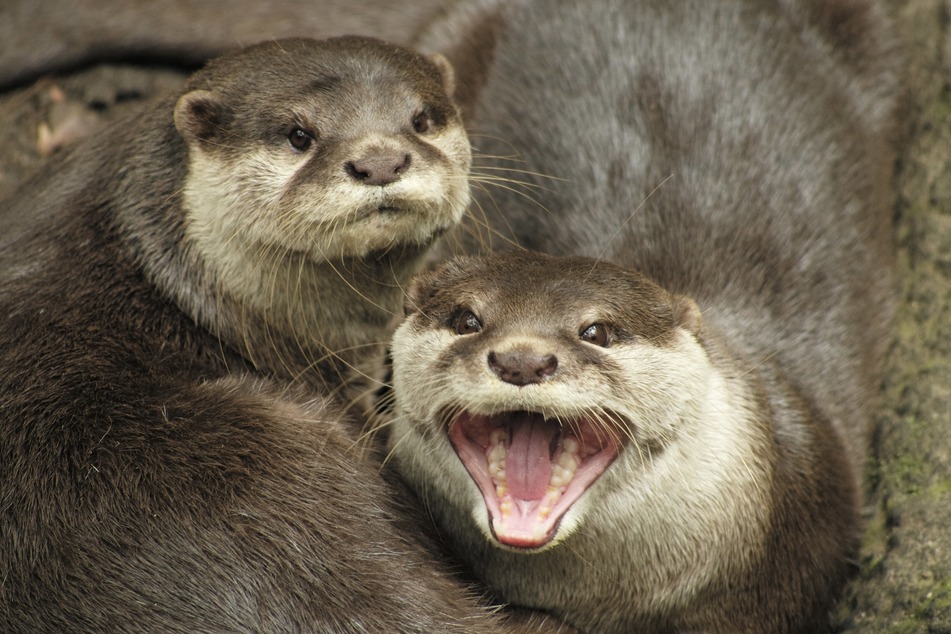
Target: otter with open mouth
[593,447]
[589,444]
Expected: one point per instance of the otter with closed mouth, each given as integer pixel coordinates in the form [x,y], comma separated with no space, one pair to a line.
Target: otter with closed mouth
[180,299]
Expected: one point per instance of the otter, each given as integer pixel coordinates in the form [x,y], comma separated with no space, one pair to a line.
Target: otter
[182,300]
[596,449]
[691,474]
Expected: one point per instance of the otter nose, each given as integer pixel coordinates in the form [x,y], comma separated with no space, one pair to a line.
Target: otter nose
[379,168]
[520,367]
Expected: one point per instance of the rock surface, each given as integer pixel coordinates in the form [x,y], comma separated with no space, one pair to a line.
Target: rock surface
[905,579]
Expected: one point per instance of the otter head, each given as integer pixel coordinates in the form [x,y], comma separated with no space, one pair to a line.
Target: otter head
[318,151]
[520,379]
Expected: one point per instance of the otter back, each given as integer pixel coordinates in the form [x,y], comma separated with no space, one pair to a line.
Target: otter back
[691,474]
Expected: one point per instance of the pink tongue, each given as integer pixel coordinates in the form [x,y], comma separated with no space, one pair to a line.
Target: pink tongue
[528,458]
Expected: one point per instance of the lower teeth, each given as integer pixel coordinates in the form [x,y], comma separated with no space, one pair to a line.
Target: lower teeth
[563,470]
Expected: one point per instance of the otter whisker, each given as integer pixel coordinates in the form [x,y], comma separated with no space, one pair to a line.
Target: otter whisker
[501,184]
[492,231]
[492,167]
[630,216]
[493,179]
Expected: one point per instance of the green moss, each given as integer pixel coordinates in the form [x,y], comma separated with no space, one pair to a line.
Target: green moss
[939,489]
[875,542]
[936,601]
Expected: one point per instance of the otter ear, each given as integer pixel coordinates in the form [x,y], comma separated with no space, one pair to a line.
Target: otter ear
[421,289]
[687,314]
[199,115]
[446,72]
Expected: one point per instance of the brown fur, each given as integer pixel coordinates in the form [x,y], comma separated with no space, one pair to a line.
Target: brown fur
[154,475]
[823,145]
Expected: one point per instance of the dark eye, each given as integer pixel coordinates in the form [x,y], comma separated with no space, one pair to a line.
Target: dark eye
[300,139]
[466,323]
[597,334]
[422,122]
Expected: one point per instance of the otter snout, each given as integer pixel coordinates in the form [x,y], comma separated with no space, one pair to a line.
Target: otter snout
[380,167]
[522,367]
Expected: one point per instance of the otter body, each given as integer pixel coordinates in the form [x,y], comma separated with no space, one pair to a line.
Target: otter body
[181,298]
[736,153]
[596,449]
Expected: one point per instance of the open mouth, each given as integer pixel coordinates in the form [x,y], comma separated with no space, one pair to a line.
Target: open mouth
[531,469]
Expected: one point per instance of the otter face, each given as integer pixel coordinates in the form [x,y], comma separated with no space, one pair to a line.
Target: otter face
[528,377]
[328,150]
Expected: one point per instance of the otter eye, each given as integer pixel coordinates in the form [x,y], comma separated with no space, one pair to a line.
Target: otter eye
[597,334]
[422,122]
[466,323]
[300,139]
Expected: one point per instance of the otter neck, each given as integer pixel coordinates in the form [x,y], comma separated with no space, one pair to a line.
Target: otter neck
[321,319]
[315,321]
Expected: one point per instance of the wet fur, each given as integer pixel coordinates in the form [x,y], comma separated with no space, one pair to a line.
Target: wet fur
[166,463]
[739,153]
